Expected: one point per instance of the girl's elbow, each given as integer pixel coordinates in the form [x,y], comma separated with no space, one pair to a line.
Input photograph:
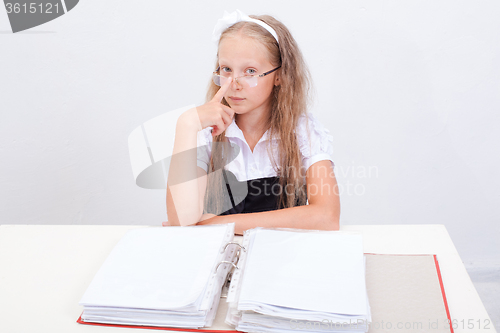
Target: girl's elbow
[330,221]
[183,219]
[335,219]
[334,223]
[189,219]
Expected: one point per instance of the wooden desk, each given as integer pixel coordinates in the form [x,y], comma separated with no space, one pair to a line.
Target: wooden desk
[44,271]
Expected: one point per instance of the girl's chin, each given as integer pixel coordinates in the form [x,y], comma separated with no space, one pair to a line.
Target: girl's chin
[237,108]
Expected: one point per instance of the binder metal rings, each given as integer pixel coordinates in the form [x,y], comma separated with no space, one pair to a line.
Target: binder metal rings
[237,255]
[235,243]
[225,262]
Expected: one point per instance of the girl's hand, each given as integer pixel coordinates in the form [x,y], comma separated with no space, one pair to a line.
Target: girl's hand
[216,114]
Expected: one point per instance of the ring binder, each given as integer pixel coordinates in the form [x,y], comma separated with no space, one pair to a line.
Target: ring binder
[266,252]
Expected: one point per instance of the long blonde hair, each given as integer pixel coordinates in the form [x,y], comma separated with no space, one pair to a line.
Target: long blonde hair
[290,101]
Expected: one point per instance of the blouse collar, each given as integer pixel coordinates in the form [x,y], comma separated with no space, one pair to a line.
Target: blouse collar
[233,131]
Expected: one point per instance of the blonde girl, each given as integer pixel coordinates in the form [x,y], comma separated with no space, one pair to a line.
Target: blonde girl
[253,154]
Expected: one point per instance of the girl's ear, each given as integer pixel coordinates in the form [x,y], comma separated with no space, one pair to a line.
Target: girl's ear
[277,80]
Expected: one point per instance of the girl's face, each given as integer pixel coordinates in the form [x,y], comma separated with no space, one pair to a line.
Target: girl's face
[240,56]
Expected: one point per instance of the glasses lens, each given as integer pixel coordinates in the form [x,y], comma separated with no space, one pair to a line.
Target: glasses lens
[251,81]
[247,81]
[244,81]
[219,80]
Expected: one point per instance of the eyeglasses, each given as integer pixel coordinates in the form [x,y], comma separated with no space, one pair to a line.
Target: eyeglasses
[246,81]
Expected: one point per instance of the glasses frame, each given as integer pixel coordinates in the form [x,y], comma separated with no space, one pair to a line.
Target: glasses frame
[249,76]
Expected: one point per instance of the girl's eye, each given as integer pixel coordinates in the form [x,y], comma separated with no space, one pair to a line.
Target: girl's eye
[249,71]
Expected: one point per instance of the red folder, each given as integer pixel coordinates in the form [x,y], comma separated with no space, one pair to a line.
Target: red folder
[208,330]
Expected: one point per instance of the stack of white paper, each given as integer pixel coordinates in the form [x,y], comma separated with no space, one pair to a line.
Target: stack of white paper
[161,276]
[312,281]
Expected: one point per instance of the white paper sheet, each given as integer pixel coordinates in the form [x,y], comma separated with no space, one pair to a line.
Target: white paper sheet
[315,271]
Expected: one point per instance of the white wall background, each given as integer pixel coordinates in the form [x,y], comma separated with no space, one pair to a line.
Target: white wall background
[410,91]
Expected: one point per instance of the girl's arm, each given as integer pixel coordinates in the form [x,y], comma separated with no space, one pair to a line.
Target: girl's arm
[187,182]
[184,205]
[322,213]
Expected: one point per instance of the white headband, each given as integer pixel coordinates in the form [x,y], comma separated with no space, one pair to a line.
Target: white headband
[229,19]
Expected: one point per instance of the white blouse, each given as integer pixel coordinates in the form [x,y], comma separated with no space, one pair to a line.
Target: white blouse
[250,165]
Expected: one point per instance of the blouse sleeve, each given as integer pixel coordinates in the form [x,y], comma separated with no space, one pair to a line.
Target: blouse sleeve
[204,144]
[316,147]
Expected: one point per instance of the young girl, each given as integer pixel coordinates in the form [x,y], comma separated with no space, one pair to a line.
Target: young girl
[261,156]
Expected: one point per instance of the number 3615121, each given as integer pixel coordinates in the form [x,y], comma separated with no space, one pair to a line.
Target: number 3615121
[47,8]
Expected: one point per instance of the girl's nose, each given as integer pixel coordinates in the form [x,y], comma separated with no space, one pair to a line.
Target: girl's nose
[236,85]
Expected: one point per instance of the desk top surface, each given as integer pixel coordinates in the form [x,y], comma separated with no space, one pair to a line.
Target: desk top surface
[45,269]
